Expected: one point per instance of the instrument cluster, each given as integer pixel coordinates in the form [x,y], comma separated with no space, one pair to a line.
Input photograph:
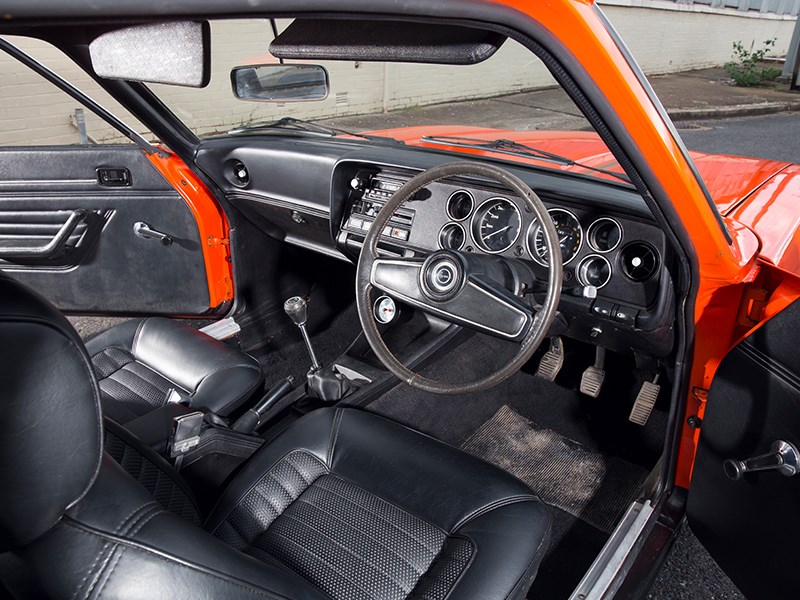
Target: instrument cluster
[495,225]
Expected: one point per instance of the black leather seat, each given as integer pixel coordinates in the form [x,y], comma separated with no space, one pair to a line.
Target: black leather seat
[343,504]
[138,363]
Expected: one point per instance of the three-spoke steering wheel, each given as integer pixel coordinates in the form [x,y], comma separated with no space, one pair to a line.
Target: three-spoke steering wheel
[485,293]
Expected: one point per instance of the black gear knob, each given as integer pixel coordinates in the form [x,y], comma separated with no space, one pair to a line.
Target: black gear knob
[296,308]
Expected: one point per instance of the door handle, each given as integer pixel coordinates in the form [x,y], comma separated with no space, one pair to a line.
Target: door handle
[783,457]
[51,248]
[143,230]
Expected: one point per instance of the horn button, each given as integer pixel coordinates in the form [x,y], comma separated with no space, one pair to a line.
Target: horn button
[442,276]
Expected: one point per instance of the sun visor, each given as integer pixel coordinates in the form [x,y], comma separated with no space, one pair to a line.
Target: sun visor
[384,41]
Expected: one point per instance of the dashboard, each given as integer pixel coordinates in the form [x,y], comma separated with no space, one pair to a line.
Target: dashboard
[323,195]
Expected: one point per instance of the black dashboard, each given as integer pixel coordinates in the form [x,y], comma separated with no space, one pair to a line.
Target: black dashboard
[324,194]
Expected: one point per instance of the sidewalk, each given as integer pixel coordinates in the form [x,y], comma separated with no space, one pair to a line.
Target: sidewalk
[688,96]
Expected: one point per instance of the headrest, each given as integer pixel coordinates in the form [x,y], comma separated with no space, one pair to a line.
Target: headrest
[50,426]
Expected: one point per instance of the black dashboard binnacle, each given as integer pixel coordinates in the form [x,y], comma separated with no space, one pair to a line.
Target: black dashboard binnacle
[613,261]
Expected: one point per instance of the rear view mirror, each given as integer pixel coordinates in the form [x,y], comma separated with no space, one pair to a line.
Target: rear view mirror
[174,53]
[280,83]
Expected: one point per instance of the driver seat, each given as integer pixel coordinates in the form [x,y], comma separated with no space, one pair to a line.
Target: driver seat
[343,504]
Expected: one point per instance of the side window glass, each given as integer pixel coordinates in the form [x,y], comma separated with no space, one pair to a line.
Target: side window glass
[34,112]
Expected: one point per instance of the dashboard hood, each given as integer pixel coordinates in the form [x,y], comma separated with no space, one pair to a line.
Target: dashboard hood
[762,195]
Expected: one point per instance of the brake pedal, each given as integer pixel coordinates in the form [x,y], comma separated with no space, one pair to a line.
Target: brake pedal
[645,401]
[552,361]
[593,377]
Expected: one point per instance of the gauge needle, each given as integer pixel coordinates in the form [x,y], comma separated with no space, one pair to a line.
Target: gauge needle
[563,239]
[498,231]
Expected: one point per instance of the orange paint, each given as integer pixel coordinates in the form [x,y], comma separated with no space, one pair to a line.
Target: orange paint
[212,225]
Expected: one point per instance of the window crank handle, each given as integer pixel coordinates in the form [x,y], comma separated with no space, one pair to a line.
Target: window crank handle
[783,457]
[143,230]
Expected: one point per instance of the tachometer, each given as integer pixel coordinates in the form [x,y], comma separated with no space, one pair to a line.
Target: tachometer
[496,225]
[570,236]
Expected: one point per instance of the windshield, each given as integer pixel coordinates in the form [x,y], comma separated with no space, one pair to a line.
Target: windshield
[508,107]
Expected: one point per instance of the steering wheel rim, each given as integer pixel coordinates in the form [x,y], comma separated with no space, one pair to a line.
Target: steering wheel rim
[537,328]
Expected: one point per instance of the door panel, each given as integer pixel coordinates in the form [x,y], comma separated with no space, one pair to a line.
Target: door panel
[750,525]
[67,218]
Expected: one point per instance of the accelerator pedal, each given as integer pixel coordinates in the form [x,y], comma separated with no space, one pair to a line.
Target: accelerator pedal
[552,361]
[645,401]
[593,377]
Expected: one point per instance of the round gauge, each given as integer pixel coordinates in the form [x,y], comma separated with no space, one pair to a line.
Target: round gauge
[385,310]
[452,237]
[496,225]
[604,234]
[570,236]
[460,205]
[594,270]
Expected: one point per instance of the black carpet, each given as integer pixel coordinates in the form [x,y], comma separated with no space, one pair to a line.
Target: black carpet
[689,573]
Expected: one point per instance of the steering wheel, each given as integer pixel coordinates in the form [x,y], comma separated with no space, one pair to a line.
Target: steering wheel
[482,292]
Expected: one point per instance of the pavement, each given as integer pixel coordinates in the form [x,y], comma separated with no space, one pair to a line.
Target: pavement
[687,96]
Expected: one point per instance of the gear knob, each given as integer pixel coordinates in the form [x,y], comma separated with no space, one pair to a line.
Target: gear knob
[296,308]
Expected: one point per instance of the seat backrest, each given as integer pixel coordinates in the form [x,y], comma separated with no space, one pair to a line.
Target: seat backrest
[50,434]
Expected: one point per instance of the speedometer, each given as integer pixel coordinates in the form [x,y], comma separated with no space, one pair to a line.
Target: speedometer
[496,225]
[570,236]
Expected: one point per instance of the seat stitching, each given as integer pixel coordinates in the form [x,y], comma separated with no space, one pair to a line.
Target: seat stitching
[119,553]
[351,552]
[337,421]
[398,528]
[471,560]
[492,506]
[90,570]
[326,563]
[545,537]
[365,533]
[173,561]
[99,572]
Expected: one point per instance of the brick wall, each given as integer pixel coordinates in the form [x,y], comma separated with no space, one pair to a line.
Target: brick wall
[663,36]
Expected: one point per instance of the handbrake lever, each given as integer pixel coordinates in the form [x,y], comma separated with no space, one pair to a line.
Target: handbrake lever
[249,421]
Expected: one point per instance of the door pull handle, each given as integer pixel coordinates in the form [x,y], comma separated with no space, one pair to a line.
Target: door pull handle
[783,457]
[143,230]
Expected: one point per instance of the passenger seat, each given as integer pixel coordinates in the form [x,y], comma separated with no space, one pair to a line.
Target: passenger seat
[144,363]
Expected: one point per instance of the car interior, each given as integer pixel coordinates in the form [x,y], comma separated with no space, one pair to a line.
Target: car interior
[408,398]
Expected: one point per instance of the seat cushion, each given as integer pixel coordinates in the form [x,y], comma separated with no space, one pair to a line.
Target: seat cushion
[362,507]
[139,362]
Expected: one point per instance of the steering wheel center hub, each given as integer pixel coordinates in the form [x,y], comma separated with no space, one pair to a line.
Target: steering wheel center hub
[442,276]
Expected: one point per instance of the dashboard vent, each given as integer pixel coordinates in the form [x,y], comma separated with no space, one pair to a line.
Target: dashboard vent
[639,261]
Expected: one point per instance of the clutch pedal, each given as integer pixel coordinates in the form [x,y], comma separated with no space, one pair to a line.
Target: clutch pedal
[645,401]
[552,361]
[593,377]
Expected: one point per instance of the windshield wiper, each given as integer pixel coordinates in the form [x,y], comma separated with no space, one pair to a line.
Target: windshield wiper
[292,124]
[503,146]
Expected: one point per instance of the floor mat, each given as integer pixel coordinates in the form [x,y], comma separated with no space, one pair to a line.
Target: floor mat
[583,482]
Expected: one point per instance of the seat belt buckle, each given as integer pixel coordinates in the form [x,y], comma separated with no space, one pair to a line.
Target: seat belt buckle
[185,433]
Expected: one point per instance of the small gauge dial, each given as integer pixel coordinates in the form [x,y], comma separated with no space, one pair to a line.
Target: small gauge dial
[385,310]
[452,237]
[594,270]
[604,235]
[570,236]
[496,225]
[460,205]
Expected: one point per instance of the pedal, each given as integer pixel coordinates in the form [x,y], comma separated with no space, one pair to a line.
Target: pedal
[552,361]
[645,401]
[593,377]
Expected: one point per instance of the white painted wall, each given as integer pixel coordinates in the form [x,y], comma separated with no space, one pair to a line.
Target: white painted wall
[663,36]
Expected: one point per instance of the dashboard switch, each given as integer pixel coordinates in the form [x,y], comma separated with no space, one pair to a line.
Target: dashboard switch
[625,315]
[603,308]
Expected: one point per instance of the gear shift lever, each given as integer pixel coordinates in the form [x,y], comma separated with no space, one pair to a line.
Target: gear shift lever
[297,309]
[323,382]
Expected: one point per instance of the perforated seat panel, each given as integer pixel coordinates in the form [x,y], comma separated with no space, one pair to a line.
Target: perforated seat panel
[348,542]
